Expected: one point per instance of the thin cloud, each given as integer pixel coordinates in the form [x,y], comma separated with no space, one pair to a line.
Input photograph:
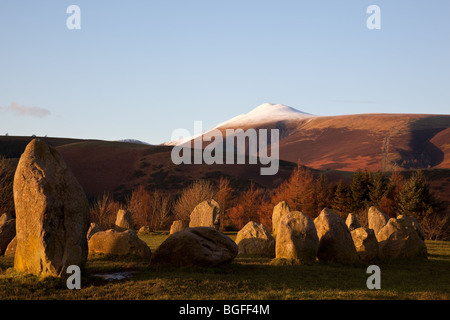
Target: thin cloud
[22,110]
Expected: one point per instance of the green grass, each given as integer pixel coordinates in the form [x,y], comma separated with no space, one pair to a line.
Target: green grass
[246,278]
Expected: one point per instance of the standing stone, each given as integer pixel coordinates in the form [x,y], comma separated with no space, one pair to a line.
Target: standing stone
[11,248]
[7,233]
[5,217]
[415,224]
[366,244]
[376,219]
[179,225]
[124,220]
[279,211]
[335,240]
[200,246]
[297,238]
[93,229]
[399,240]
[255,239]
[206,214]
[144,230]
[352,222]
[52,213]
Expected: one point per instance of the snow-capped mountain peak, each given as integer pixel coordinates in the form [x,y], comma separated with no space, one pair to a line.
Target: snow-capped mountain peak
[267,112]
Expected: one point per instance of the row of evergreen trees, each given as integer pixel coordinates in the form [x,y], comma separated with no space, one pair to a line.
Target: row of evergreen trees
[393,194]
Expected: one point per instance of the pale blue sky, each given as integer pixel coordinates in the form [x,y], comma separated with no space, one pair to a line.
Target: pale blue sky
[140,69]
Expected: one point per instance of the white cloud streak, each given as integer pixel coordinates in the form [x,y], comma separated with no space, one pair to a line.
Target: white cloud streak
[22,110]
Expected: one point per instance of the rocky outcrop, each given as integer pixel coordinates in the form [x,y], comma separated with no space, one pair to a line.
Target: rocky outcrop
[335,240]
[200,246]
[255,239]
[297,238]
[52,213]
[206,214]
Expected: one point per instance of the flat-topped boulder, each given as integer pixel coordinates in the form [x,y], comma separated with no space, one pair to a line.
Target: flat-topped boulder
[52,213]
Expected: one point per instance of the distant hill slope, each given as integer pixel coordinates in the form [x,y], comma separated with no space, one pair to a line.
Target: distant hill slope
[349,142]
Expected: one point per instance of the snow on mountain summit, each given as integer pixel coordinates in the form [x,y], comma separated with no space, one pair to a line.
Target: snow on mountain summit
[267,112]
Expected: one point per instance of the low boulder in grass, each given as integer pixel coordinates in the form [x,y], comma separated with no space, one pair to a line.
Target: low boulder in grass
[200,246]
[255,239]
[119,243]
[335,240]
[11,248]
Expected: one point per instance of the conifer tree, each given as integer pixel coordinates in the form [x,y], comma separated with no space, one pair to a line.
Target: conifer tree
[341,202]
[416,199]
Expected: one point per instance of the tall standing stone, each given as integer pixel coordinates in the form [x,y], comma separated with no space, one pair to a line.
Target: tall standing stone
[52,213]
[124,220]
[279,211]
[335,240]
[376,219]
[297,238]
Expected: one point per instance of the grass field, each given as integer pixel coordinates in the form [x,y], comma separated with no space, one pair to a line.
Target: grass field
[246,278]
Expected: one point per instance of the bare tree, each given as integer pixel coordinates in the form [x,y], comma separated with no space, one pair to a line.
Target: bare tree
[190,197]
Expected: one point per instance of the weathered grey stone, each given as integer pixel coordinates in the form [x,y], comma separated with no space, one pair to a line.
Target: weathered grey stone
[179,225]
[297,238]
[366,244]
[206,214]
[335,240]
[255,239]
[120,243]
[279,211]
[200,246]
[52,213]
